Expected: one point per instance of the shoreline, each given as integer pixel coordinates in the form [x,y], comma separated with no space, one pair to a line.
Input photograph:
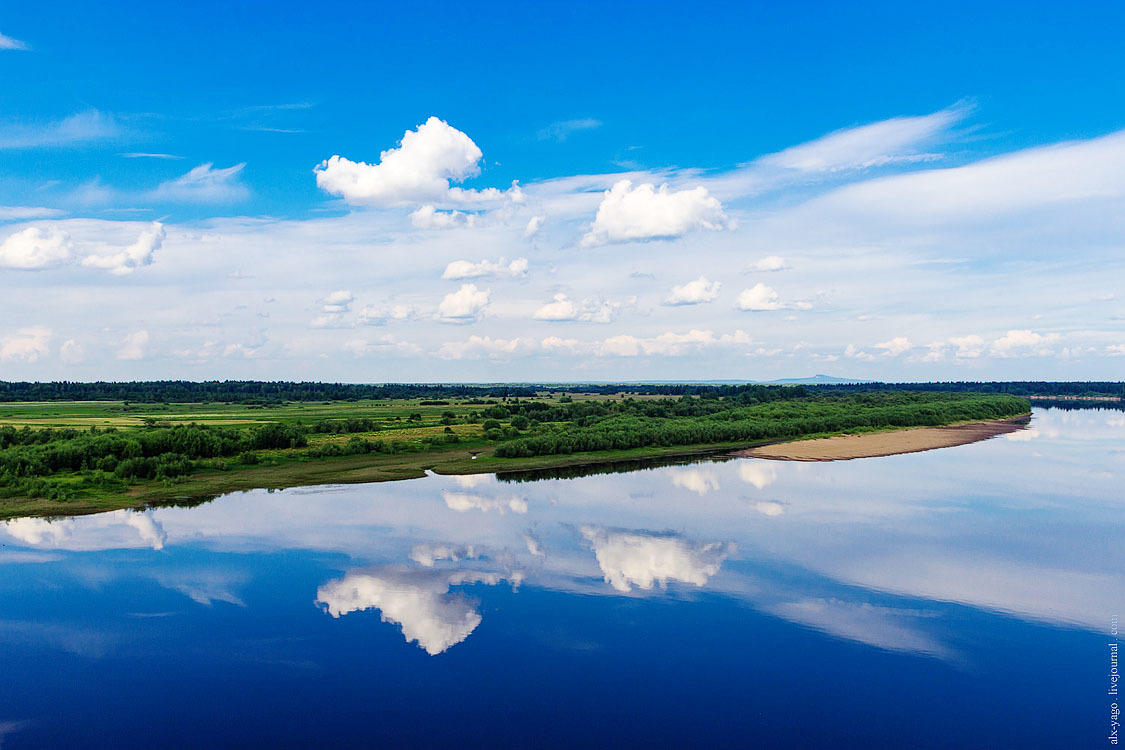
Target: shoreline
[888,443]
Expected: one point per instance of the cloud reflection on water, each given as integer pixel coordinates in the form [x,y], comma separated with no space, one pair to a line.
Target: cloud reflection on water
[987,526]
[418,601]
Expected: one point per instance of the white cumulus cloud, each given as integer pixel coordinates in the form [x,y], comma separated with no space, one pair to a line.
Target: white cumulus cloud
[418,171]
[481,347]
[35,248]
[133,347]
[134,256]
[429,217]
[645,212]
[896,346]
[464,305]
[501,269]
[561,308]
[26,344]
[694,292]
[534,224]
[759,298]
[769,264]
[1024,343]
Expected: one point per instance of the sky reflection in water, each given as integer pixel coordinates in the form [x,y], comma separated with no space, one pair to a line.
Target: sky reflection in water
[953,572]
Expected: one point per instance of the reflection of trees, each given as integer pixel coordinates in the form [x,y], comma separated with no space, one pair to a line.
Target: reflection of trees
[1050,403]
[610,467]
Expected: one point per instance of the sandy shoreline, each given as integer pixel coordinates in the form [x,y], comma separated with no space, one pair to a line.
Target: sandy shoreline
[873,444]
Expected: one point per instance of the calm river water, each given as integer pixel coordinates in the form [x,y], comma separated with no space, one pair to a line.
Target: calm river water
[954,598]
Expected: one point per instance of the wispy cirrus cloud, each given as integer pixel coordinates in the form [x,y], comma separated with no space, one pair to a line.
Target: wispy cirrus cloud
[205,184]
[7,42]
[80,128]
[563,129]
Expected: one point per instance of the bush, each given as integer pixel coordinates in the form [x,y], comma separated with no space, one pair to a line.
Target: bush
[248,457]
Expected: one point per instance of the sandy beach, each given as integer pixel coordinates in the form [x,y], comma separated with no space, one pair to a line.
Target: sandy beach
[872,444]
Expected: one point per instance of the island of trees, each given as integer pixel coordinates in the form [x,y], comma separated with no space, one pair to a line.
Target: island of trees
[79,447]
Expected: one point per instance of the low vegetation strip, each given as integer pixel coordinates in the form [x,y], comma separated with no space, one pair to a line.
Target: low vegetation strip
[75,469]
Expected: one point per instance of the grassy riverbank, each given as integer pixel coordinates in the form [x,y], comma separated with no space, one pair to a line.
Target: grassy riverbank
[64,458]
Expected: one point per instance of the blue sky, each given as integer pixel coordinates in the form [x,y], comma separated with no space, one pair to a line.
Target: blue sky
[812,204]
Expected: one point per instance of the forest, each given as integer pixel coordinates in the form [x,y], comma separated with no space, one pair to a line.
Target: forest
[635,424]
[263,392]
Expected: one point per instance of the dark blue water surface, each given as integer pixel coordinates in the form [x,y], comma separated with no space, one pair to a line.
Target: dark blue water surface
[954,598]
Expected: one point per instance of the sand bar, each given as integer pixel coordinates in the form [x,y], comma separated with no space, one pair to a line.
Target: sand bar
[872,444]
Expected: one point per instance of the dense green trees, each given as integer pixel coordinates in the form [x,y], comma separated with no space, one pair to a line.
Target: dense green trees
[601,426]
[27,456]
[244,391]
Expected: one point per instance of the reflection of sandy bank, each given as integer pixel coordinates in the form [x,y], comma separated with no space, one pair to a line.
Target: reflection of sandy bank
[873,444]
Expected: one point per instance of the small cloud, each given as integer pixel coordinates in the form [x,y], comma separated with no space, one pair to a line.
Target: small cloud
[140,253]
[204,184]
[485,347]
[338,301]
[591,310]
[6,42]
[560,131]
[534,224]
[761,298]
[694,292]
[853,353]
[428,217]
[501,269]
[896,346]
[26,345]
[82,127]
[769,264]
[133,346]
[758,298]
[381,345]
[22,213]
[464,305]
[558,310]
[142,155]
[1018,343]
[71,352]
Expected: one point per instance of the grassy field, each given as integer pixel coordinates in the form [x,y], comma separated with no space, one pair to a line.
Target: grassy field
[84,414]
[408,420]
